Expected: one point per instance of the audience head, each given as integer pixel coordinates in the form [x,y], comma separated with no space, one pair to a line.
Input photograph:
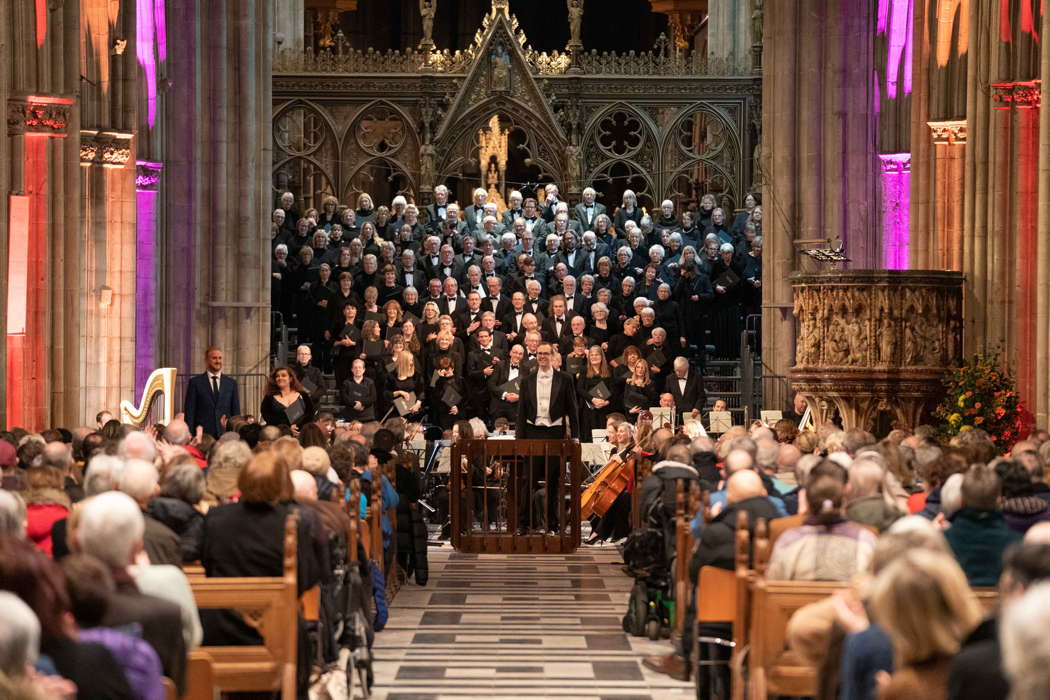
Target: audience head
[12,515]
[265,479]
[743,485]
[980,488]
[110,527]
[1025,646]
[304,485]
[184,481]
[922,600]
[19,636]
[140,480]
[177,432]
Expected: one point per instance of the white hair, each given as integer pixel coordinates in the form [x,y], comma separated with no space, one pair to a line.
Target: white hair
[12,515]
[137,445]
[509,237]
[489,206]
[304,485]
[102,474]
[951,495]
[657,248]
[514,194]
[481,191]
[441,188]
[629,195]
[488,219]
[400,199]
[667,203]
[139,480]
[1026,649]
[280,248]
[110,525]
[726,248]
[19,636]
[553,236]
[590,190]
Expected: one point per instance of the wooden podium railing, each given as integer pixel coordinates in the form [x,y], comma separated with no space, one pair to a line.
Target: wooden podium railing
[499,502]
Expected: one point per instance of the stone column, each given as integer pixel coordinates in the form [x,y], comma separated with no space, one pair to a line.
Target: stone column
[39,186]
[729,34]
[943,249]
[1040,404]
[289,23]
[940,37]
[818,155]
[216,186]
[107,298]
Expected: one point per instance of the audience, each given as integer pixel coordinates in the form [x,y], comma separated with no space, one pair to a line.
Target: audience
[979,534]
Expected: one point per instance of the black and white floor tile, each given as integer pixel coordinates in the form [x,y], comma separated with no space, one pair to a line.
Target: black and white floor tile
[527,626]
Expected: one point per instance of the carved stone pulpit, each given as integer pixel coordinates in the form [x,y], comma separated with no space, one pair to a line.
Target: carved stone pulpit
[876,340]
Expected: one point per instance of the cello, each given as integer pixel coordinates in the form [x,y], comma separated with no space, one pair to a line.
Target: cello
[610,482]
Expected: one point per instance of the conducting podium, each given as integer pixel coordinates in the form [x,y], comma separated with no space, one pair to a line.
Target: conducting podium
[515,496]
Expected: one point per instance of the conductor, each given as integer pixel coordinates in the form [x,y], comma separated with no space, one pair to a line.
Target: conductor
[546,411]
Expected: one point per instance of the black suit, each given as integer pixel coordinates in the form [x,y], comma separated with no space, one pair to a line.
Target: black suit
[470,217]
[537,308]
[562,406]
[445,306]
[549,331]
[498,408]
[579,213]
[502,305]
[510,324]
[692,398]
[205,408]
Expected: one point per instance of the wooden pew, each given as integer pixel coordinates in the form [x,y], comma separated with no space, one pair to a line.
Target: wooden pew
[270,605]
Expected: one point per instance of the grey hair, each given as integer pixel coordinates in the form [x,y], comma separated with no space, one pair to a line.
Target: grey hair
[657,248]
[599,306]
[1022,634]
[757,241]
[139,479]
[12,515]
[184,481]
[110,524]
[279,248]
[726,248]
[137,445]
[102,474]
[19,635]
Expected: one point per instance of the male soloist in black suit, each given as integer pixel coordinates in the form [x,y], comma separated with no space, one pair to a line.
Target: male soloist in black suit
[211,398]
[546,411]
[687,388]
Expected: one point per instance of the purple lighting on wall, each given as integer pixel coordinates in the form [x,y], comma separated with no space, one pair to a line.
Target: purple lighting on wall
[894,19]
[145,34]
[896,199]
[147,179]
[160,23]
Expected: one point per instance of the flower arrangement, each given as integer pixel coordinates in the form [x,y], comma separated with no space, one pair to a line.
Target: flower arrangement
[981,395]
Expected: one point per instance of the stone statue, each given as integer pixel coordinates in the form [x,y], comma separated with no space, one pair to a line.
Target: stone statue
[427,174]
[573,177]
[756,22]
[427,10]
[575,20]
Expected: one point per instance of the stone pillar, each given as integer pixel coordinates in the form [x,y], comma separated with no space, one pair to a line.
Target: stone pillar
[1040,404]
[107,298]
[818,155]
[289,23]
[944,247]
[215,288]
[39,186]
[940,37]
[1000,213]
[729,34]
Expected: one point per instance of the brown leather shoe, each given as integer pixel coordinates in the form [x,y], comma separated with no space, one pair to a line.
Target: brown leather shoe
[668,664]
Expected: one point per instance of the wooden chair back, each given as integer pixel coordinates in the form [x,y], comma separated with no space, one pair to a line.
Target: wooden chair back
[268,604]
[718,603]
[375,521]
[988,597]
[773,668]
[778,526]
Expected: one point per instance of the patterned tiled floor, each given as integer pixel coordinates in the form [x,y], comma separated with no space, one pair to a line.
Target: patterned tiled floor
[490,626]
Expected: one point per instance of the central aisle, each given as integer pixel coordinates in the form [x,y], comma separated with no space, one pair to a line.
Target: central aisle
[524,626]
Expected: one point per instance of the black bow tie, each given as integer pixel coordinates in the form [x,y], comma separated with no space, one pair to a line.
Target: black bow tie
[561,319]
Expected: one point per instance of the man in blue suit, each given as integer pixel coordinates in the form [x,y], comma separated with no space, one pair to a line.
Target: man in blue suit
[211,397]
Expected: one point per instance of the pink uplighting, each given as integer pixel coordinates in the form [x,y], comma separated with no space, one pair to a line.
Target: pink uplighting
[145,290]
[145,35]
[896,200]
[894,19]
[41,22]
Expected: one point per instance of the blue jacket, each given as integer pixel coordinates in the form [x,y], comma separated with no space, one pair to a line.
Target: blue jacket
[203,407]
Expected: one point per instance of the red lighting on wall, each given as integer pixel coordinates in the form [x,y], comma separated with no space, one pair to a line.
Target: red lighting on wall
[41,22]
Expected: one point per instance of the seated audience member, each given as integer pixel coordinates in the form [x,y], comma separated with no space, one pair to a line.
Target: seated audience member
[1026,653]
[176,506]
[827,547]
[29,574]
[46,503]
[139,480]
[978,534]
[111,527]
[922,601]
[19,653]
[977,671]
[90,587]
[225,465]
[745,493]
[1022,508]
[12,515]
[246,538]
[866,500]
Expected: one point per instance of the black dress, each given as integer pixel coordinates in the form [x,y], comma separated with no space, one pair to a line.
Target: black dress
[642,396]
[592,418]
[414,385]
[345,355]
[299,413]
[439,409]
[363,391]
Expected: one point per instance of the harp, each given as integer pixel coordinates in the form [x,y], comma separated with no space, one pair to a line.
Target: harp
[161,381]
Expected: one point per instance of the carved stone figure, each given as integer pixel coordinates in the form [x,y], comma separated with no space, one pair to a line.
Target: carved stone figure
[575,21]
[427,10]
[838,342]
[573,158]
[427,175]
